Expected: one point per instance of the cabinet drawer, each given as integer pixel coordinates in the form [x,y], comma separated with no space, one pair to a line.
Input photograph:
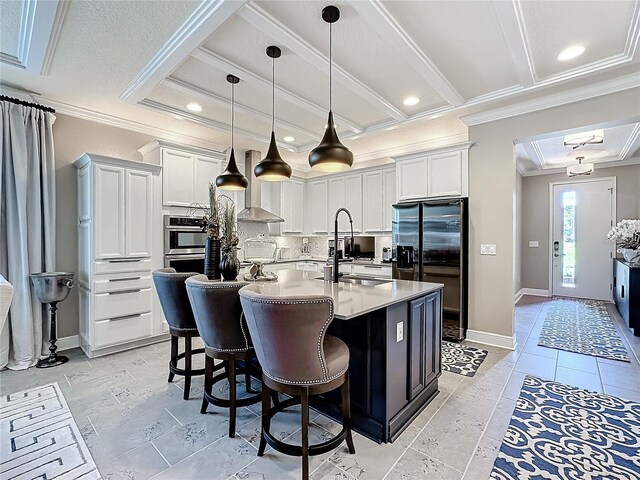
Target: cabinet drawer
[375,270]
[122,265]
[122,303]
[121,281]
[122,329]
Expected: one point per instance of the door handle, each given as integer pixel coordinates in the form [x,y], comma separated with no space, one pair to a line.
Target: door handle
[556,255]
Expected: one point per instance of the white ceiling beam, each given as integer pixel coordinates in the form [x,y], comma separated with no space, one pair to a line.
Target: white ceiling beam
[219,63]
[510,20]
[262,20]
[190,89]
[376,15]
[205,20]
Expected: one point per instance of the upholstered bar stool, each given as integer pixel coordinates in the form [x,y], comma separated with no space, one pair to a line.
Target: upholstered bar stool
[298,359]
[173,297]
[218,313]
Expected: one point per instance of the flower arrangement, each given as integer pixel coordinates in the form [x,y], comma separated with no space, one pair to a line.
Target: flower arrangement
[626,234]
[229,238]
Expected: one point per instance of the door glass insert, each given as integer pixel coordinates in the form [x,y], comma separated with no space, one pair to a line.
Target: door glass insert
[569,239]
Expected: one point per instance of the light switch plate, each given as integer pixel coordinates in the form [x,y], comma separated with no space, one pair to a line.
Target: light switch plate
[534,244]
[487,249]
[399,332]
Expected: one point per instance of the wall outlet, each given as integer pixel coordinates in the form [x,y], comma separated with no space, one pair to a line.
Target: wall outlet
[487,249]
[534,244]
[399,332]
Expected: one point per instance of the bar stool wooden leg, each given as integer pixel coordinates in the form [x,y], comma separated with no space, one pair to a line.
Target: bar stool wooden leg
[208,382]
[187,367]
[231,372]
[247,376]
[174,356]
[304,404]
[346,413]
[266,416]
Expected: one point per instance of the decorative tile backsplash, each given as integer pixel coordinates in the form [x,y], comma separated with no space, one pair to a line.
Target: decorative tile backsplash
[318,244]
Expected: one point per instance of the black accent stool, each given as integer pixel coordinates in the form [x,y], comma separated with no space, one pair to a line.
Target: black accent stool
[188,353]
[53,360]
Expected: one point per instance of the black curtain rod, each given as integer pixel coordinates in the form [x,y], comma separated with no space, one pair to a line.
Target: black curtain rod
[4,98]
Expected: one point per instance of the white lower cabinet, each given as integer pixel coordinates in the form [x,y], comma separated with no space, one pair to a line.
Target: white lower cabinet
[119,213]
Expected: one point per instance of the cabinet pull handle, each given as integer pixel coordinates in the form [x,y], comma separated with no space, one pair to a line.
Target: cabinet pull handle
[125,317]
[372,266]
[125,291]
[124,279]
[125,260]
[622,296]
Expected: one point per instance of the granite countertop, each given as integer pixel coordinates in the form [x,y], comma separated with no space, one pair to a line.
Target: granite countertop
[350,300]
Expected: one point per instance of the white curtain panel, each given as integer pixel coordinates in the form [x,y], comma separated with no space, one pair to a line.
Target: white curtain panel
[27,220]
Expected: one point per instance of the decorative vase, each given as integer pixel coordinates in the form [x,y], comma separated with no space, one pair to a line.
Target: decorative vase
[631,255]
[212,258]
[229,267]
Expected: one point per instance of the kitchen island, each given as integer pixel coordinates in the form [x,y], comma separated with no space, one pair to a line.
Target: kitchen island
[393,331]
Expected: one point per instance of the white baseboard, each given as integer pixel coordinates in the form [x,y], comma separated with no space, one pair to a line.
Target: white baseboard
[518,296]
[67,343]
[493,339]
[536,292]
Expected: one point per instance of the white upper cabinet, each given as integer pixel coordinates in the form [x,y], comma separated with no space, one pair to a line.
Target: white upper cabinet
[433,174]
[379,196]
[337,199]
[318,206]
[139,213]
[292,206]
[206,169]
[353,200]
[186,172]
[109,212]
[178,170]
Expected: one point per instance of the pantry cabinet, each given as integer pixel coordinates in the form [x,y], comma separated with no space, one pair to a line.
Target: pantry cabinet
[433,174]
[119,245]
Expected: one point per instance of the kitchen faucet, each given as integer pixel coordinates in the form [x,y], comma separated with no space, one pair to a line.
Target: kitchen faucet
[335,242]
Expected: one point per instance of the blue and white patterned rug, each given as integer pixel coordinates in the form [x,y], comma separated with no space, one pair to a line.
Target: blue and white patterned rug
[582,326]
[561,432]
[461,359]
[39,438]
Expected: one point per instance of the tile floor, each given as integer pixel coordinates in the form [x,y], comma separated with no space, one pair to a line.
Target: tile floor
[138,427]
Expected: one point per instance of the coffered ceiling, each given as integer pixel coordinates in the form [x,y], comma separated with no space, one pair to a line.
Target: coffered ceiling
[141,63]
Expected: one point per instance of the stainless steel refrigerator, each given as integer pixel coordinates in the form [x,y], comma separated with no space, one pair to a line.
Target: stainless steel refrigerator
[430,244]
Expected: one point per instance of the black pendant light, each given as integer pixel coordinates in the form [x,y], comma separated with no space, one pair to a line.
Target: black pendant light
[273,168]
[331,155]
[231,178]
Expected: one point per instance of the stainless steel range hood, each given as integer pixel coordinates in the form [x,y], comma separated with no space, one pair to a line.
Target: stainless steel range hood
[252,211]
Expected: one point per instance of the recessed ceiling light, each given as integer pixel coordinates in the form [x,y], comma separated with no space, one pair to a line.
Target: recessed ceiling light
[194,107]
[411,100]
[570,53]
[288,138]
[176,116]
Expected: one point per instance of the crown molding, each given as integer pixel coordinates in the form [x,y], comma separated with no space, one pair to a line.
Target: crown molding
[632,143]
[584,93]
[262,20]
[433,144]
[598,166]
[388,27]
[37,25]
[117,122]
[205,19]
[159,143]
[216,61]
[56,28]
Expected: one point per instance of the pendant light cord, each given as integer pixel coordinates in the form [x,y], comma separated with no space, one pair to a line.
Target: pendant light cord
[273,94]
[233,109]
[330,70]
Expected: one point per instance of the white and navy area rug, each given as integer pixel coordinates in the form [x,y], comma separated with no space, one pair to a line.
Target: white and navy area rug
[567,433]
[39,438]
[582,326]
[461,359]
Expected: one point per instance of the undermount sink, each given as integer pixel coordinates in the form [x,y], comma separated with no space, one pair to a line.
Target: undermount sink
[357,280]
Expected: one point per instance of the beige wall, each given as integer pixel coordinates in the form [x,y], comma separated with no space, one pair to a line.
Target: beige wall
[72,138]
[535,223]
[492,188]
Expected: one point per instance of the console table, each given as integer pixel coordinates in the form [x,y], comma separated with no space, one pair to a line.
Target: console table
[626,293]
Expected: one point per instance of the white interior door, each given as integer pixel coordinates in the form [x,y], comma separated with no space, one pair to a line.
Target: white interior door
[583,213]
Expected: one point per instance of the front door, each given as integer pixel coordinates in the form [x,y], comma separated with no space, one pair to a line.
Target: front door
[582,213]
